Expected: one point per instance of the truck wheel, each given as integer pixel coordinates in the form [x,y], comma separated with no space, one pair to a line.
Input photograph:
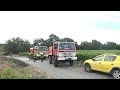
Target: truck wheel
[45,58]
[34,59]
[50,59]
[55,63]
[71,63]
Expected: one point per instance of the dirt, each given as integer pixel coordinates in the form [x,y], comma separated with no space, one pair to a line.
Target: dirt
[34,72]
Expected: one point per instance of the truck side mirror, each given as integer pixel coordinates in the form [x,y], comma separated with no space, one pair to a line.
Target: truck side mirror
[55,46]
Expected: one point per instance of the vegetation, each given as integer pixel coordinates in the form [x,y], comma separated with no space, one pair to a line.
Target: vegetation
[11,70]
[1,47]
[88,54]
[24,54]
[18,45]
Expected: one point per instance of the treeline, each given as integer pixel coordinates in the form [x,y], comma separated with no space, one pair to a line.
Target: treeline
[16,45]
[96,45]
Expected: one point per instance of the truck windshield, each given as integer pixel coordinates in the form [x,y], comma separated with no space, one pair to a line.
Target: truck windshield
[66,46]
[43,48]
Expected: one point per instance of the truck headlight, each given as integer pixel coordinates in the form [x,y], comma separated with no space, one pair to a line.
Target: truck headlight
[60,54]
[37,55]
[41,53]
[74,54]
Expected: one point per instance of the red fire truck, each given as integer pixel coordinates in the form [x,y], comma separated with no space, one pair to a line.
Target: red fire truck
[38,52]
[62,52]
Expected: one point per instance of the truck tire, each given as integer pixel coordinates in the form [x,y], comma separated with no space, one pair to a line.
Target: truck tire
[55,63]
[50,60]
[71,63]
[34,59]
[29,58]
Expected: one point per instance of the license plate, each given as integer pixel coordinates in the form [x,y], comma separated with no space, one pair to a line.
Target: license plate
[68,58]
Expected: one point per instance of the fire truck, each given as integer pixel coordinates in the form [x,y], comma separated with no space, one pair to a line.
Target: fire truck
[62,52]
[38,52]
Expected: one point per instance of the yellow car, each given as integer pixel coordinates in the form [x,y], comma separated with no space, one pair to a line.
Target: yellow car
[108,63]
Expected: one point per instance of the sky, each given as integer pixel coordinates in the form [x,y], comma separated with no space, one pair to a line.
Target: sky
[79,25]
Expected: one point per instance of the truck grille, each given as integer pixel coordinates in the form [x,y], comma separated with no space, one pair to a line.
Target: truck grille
[67,54]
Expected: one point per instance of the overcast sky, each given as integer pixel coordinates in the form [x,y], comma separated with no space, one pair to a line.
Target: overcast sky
[79,25]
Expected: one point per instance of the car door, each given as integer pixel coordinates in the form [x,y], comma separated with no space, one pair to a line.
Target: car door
[108,63]
[96,64]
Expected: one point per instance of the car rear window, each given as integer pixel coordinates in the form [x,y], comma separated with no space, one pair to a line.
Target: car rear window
[110,58]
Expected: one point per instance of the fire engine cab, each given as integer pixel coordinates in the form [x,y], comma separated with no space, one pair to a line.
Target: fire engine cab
[62,52]
[38,52]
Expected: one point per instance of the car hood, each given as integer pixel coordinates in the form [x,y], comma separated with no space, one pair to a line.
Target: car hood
[89,60]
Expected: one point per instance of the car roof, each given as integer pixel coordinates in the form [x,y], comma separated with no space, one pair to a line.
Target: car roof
[110,54]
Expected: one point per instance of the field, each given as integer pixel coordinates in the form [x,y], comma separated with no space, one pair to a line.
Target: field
[87,54]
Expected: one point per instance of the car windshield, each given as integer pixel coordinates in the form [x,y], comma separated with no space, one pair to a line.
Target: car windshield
[43,48]
[66,46]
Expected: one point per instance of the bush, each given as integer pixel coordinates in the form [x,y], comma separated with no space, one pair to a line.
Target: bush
[24,54]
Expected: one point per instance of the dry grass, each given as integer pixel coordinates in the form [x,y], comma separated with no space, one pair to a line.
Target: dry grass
[11,70]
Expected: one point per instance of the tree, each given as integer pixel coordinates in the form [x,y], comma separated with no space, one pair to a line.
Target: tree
[96,45]
[67,39]
[118,46]
[51,39]
[16,45]
[111,45]
[86,45]
[40,41]
[1,47]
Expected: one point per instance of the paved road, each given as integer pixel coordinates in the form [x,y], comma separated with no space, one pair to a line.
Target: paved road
[64,71]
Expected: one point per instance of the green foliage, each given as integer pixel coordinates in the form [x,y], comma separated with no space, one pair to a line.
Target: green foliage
[67,39]
[1,48]
[14,73]
[16,45]
[96,45]
[24,54]
[40,41]
[88,54]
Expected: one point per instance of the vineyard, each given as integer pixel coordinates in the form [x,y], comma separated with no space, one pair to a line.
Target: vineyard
[87,54]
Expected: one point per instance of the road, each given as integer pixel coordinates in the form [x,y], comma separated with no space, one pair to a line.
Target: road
[64,71]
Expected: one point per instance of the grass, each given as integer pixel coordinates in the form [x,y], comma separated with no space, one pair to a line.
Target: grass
[9,70]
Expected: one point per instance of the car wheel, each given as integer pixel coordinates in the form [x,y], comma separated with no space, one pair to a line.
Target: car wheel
[116,73]
[87,68]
